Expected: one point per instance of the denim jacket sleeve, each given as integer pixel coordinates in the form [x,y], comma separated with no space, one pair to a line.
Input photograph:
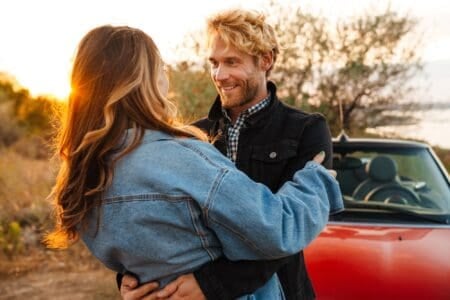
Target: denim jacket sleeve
[253,223]
[225,279]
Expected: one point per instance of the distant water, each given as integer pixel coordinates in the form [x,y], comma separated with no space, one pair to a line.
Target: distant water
[433,127]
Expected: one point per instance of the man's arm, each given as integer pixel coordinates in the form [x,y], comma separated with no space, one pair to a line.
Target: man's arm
[315,138]
[224,279]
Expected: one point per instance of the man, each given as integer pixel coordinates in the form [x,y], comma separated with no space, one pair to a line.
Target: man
[264,138]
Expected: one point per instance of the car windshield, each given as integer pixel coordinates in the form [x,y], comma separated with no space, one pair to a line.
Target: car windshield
[393,179]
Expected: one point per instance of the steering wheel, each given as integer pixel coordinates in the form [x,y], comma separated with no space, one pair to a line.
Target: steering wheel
[393,193]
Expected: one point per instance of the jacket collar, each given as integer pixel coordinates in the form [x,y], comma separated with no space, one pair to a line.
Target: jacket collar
[150,135]
[215,113]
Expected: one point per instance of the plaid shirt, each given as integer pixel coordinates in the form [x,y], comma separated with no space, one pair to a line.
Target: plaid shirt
[233,130]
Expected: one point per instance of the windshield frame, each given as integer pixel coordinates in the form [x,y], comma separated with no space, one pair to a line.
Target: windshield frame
[343,148]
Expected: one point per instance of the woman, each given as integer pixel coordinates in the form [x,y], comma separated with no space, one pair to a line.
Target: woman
[147,194]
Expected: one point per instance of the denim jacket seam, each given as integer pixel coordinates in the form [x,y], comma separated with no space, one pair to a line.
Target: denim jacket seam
[201,235]
[146,197]
[210,198]
[263,254]
[198,151]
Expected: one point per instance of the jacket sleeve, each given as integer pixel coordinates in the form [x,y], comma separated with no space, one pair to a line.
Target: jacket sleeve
[253,223]
[225,279]
[315,137]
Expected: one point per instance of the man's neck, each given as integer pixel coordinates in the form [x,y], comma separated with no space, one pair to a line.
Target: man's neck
[234,112]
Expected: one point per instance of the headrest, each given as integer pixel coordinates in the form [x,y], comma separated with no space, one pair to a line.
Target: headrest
[382,168]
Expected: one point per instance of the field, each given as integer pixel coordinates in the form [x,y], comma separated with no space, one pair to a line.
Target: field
[27,269]
[44,274]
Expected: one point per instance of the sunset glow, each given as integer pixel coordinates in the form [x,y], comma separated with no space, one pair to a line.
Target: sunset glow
[39,37]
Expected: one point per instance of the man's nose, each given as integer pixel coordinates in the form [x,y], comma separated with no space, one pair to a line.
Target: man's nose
[221,73]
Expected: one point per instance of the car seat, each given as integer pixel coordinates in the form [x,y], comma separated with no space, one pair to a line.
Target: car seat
[381,170]
[349,170]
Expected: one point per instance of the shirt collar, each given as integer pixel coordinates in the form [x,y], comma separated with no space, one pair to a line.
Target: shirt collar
[249,111]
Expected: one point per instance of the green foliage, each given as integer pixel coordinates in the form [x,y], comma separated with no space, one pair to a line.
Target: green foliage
[26,120]
[444,156]
[354,72]
[25,184]
[192,90]
[10,238]
[35,114]
[10,131]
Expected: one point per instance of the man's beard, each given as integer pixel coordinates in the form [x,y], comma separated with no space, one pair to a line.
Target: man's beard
[248,91]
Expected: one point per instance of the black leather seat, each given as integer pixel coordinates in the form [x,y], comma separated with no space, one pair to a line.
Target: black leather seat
[350,173]
[383,184]
[381,170]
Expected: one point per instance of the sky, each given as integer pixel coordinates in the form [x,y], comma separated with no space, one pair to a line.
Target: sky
[38,39]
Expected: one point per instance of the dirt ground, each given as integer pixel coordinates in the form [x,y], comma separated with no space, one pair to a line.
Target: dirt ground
[44,274]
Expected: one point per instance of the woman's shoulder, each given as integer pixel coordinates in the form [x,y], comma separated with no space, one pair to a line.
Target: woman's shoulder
[157,143]
[204,150]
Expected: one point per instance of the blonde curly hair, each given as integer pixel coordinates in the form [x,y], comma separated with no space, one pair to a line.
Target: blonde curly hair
[245,30]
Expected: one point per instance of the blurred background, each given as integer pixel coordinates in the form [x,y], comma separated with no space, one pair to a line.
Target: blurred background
[384,64]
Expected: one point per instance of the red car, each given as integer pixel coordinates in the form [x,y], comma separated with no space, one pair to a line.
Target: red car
[392,241]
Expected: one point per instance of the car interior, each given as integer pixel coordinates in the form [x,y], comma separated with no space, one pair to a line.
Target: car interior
[375,178]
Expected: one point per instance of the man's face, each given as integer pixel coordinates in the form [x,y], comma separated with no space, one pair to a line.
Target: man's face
[240,80]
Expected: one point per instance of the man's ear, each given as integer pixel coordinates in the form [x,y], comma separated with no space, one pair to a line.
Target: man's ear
[266,61]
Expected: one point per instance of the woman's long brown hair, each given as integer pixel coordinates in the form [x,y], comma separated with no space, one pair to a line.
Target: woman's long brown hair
[114,88]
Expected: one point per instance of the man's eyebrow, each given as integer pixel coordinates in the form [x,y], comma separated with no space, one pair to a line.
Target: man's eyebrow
[231,57]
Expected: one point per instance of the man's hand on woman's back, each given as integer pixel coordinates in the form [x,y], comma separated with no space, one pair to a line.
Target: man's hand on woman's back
[184,287]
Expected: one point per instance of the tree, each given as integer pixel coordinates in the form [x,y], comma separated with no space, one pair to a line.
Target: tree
[24,113]
[191,89]
[190,84]
[355,72]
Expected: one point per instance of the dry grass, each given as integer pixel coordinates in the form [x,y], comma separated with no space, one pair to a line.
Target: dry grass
[46,274]
[33,272]
[24,186]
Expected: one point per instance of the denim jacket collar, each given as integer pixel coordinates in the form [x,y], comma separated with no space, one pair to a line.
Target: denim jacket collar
[149,135]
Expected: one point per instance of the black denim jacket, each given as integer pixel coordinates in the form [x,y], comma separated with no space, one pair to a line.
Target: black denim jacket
[274,143]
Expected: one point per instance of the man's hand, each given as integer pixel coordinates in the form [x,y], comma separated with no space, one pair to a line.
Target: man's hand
[129,289]
[184,287]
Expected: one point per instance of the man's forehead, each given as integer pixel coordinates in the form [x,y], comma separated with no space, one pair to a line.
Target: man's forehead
[218,48]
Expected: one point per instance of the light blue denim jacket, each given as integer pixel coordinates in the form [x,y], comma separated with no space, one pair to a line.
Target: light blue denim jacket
[176,203]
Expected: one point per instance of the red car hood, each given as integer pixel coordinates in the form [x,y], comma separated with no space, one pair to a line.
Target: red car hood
[380,262]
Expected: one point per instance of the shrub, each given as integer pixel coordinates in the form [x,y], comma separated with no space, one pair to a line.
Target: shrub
[10,238]
[10,131]
[24,186]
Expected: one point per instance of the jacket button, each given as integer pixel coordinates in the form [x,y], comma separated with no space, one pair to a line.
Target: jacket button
[273,154]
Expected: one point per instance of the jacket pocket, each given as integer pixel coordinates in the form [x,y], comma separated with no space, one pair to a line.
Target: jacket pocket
[270,162]
[276,152]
